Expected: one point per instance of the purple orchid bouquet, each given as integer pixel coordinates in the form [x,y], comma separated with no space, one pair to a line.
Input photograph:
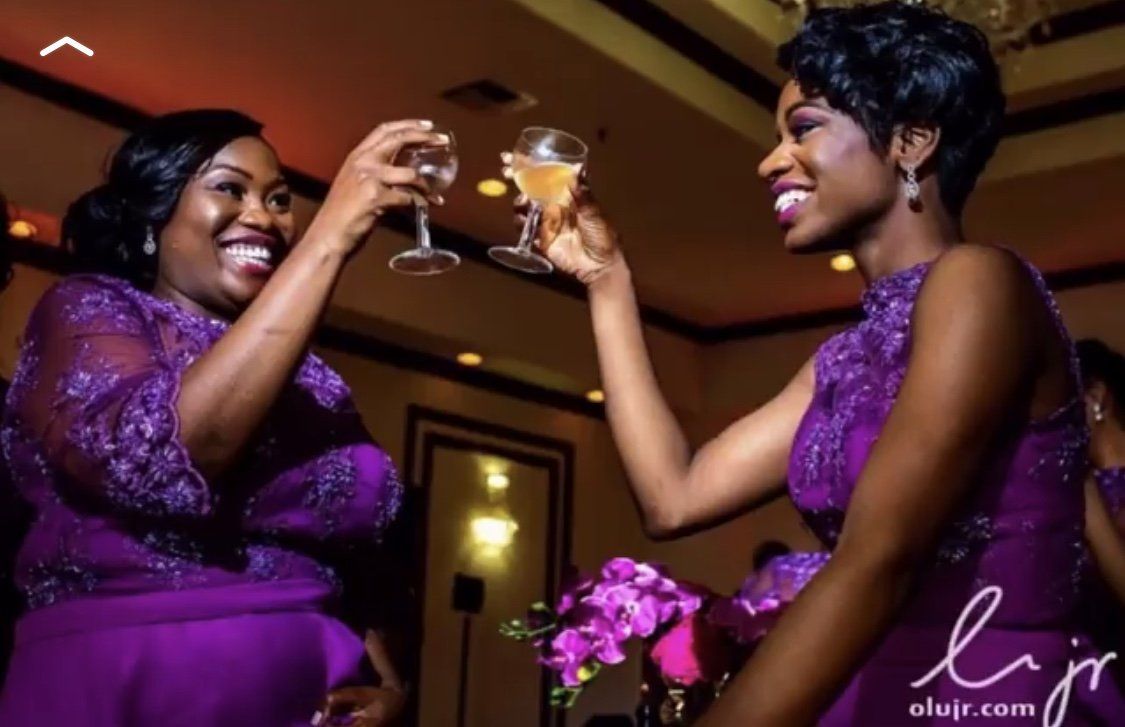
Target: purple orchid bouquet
[596,616]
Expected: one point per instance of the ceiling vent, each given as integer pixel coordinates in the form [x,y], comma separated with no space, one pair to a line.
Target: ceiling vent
[488,96]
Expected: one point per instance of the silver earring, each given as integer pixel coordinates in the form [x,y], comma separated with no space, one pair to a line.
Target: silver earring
[150,242]
[913,191]
[1099,413]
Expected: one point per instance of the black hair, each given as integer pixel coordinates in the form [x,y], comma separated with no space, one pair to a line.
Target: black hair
[892,64]
[106,228]
[6,243]
[767,551]
[1099,362]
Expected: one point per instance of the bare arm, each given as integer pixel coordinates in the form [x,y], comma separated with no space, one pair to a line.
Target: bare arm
[381,660]
[678,491]
[1105,541]
[977,351]
[225,394]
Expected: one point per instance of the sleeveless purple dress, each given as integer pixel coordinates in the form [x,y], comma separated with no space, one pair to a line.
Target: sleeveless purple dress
[157,597]
[1021,530]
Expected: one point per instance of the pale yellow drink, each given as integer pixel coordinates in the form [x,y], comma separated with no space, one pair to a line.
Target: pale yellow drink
[546,182]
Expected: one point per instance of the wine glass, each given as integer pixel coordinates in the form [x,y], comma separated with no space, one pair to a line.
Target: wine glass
[545,164]
[438,166]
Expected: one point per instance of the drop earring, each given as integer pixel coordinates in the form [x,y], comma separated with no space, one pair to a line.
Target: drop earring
[150,242]
[913,190]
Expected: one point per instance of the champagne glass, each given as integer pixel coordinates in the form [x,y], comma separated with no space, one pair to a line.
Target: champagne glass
[438,166]
[545,164]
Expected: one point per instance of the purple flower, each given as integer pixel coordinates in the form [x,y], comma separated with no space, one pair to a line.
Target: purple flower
[619,569]
[599,629]
[569,652]
[575,585]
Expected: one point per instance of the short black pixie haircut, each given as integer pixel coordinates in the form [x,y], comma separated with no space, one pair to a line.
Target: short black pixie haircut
[894,63]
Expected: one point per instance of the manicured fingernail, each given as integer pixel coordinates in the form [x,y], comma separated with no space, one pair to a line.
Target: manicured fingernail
[443,138]
[507,172]
[506,157]
[437,199]
[427,125]
[318,716]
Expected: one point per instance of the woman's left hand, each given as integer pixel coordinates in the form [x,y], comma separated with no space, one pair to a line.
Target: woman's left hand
[361,707]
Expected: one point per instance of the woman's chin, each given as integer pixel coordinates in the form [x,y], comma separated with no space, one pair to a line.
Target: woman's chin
[806,239]
[242,289]
[797,241]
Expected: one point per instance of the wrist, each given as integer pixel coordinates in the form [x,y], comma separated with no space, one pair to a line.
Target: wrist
[615,277]
[325,247]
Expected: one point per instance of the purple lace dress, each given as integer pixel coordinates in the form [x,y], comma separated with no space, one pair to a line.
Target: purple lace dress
[1021,530]
[158,597]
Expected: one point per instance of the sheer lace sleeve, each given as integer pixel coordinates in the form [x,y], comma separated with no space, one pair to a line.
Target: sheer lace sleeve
[99,391]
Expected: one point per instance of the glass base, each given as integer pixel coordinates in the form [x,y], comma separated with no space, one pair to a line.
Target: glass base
[424,261]
[523,260]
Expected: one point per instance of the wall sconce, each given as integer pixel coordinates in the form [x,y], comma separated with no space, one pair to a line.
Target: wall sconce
[497,482]
[22,229]
[496,532]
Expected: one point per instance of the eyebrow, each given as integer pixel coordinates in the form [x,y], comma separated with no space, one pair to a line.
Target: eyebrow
[277,181]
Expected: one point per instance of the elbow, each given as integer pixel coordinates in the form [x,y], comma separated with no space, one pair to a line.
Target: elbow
[662,524]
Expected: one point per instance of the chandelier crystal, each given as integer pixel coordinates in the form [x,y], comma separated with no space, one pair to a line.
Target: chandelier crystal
[1009,24]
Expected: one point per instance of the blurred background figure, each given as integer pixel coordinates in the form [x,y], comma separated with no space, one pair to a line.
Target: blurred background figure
[14,511]
[1103,371]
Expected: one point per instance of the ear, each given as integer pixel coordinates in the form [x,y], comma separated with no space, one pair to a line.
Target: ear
[1096,394]
[914,144]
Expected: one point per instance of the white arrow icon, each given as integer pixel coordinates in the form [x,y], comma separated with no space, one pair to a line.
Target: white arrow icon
[66,40]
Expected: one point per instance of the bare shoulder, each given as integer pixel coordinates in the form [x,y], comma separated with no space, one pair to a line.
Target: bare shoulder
[981,303]
[988,282]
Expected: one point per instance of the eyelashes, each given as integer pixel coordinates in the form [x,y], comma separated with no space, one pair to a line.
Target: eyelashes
[281,200]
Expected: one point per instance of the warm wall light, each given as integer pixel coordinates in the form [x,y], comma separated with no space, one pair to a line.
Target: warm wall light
[469,358]
[843,263]
[22,229]
[497,481]
[492,188]
[496,532]
[596,396]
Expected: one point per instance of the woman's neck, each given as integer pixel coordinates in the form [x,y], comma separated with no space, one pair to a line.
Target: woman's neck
[163,289]
[903,238]
[1107,447]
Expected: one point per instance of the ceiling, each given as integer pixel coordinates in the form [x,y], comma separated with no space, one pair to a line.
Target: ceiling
[673,96]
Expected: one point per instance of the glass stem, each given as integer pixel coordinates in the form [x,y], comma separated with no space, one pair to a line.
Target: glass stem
[530,228]
[422,221]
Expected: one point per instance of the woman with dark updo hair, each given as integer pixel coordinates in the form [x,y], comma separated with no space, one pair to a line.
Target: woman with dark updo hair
[1103,376]
[1103,373]
[195,471]
[937,448]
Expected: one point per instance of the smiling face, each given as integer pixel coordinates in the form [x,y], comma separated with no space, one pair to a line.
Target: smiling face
[230,230]
[827,180]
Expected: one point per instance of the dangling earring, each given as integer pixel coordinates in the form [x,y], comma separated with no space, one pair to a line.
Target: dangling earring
[150,241]
[913,191]
[1099,413]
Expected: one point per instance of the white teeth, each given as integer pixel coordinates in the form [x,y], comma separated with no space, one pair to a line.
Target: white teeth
[785,200]
[250,253]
